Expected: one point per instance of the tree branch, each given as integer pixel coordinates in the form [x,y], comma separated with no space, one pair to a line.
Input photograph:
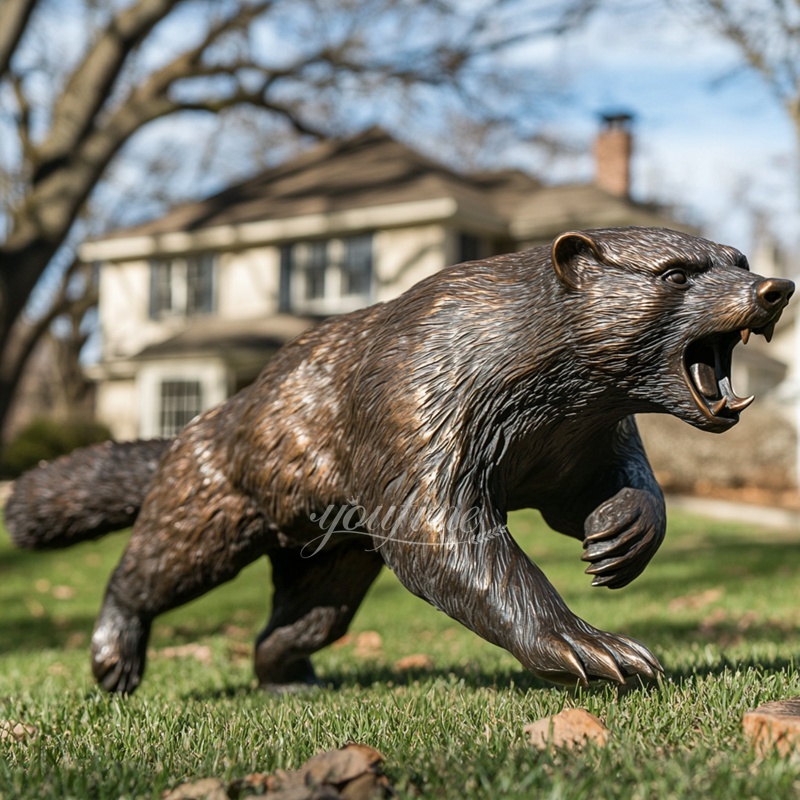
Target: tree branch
[98,112]
[90,84]
[190,63]
[14,16]
[28,334]
[23,118]
[765,42]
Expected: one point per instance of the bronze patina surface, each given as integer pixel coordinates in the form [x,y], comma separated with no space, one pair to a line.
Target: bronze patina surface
[491,386]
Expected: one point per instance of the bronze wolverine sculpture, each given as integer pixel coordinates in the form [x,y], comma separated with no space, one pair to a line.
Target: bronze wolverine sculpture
[494,385]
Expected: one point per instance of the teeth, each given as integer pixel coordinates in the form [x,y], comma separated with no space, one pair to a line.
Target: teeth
[715,408]
[741,403]
[734,403]
[768,330]
[745,334]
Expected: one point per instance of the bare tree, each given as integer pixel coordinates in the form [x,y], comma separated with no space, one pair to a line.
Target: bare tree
[80,80]
[766,33]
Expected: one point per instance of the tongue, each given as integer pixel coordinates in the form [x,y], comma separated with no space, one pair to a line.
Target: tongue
[705,379]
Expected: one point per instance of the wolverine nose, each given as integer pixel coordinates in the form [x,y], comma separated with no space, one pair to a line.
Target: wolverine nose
[773,294]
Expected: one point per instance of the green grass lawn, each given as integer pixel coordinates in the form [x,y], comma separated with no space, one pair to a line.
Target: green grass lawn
[719,606]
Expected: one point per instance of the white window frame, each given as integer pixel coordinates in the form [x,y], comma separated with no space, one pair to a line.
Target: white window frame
[211,374]
[169,408]
[178,286]
[333,299]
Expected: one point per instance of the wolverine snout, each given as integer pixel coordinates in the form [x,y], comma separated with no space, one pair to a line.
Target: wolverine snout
[772,294]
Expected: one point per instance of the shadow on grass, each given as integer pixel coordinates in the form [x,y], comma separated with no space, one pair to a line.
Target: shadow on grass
[730,562]
[12,558]
[365,676]
[473,677]
[368,676]
[723,665]
[32,634]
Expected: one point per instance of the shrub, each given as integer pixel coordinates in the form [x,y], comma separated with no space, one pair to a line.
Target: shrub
[45,439]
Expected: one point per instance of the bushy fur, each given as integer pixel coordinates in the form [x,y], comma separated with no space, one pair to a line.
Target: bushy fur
[491,386]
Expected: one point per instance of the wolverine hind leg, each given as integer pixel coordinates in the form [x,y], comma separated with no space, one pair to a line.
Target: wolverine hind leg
[314,601]
[179,549]
[119,646]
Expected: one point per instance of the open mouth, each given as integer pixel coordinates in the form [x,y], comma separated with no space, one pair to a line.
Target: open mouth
[707,367]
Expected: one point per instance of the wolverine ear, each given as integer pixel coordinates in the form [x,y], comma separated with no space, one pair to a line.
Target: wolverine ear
[571,252]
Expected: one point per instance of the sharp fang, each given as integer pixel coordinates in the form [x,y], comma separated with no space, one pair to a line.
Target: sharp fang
[745,334]
[717,407]
[741,403]
[768,331]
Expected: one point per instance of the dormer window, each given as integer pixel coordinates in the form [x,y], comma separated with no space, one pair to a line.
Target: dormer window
[182,287]
[327,276]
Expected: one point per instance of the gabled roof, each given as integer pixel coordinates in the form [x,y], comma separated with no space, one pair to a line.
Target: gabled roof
[360,172]
[372,180]
[555,209]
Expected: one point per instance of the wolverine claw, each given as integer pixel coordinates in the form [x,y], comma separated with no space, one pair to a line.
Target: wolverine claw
[640,657]
[596,550]
[622,535]
[613,531]
[603,664]
[583,654]
[608,565]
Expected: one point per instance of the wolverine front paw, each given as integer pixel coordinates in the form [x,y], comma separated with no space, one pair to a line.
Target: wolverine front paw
[574,652]
[622,535]
[119,649]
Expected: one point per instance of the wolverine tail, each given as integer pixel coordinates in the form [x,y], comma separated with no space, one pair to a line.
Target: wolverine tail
[83,495]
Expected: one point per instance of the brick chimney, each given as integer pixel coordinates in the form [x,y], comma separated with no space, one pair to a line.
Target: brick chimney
[613,149]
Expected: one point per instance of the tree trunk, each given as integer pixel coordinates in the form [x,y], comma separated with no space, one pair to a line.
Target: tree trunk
[19,273]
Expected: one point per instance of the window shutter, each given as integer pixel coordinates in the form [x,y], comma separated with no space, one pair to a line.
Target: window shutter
[285,283]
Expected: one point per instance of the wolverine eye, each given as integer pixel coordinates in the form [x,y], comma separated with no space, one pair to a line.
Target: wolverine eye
[677,278]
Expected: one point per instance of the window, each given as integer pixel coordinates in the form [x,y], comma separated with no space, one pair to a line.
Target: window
[182,286]
[327,276]
[469,247]
[357,266]
[316,268]
[181,402]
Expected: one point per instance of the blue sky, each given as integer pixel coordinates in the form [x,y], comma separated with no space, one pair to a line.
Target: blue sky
[706,132]
[710,138]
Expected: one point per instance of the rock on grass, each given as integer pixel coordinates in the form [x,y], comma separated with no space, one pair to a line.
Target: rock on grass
[354,772]
[775,727]
[573,727]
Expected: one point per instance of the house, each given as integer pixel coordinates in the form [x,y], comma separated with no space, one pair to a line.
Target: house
[194,303]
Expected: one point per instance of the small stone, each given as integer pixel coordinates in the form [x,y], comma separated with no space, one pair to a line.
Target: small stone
[695,601]
[368,644]
[204,789]
[775,727]
[416,661]
[573,727]
[200,652]
[17,731]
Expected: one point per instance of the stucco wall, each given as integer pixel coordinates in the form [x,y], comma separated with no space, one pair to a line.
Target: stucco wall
[404,256]
[124,303]
[117,408]
[248,283]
